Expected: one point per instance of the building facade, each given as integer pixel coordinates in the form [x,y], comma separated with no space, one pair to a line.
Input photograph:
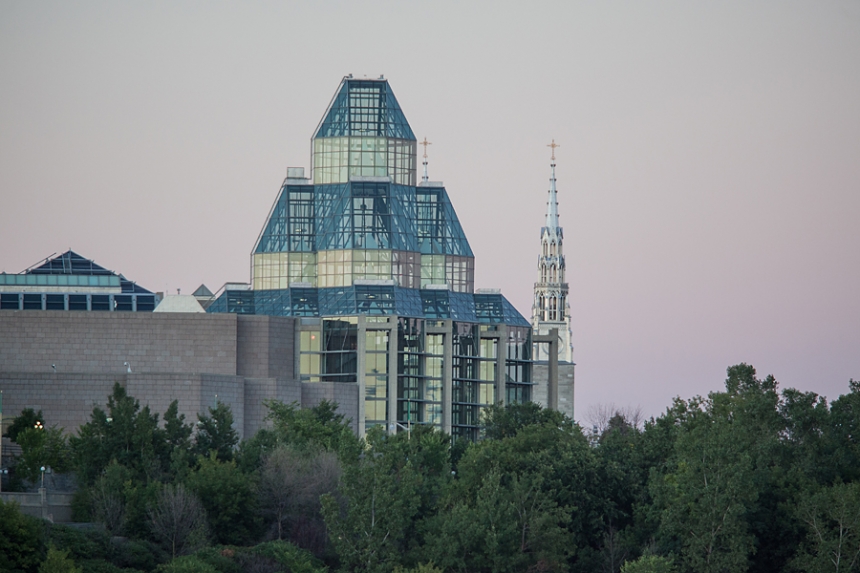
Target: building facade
[72,282]
[361,292]
[378,268]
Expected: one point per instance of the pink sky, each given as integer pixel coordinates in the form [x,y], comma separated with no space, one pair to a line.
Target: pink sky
[709,174]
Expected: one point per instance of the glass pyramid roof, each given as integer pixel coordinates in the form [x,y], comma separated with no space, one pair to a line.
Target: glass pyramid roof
[364,108]
[71,263]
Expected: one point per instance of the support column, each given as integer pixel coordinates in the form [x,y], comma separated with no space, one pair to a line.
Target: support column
[392,368]
[360,367]
[447,377]
[501,364]
[552,371]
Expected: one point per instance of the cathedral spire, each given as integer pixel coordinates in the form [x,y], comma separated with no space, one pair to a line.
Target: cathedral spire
[551,309]
[552,202]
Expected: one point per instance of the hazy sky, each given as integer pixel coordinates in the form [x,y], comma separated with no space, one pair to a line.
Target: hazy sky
[709,169]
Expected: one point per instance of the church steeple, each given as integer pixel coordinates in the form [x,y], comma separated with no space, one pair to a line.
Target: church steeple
[552,203]
[551,308]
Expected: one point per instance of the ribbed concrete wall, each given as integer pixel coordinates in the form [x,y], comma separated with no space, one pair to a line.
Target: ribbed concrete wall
[192,358]
[346,396]
[31,341]
[566,386]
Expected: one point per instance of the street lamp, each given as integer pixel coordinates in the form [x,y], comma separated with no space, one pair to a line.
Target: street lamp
[43,477]
[3,472]
[392,427]
[38,425]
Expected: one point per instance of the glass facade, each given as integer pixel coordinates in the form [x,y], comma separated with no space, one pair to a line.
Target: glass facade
[381,273]
[72,282]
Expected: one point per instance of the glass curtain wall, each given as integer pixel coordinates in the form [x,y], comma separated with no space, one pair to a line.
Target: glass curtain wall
[518,365]
[474,378]
[375,377]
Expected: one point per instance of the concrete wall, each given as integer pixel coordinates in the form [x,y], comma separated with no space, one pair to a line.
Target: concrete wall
[540,373]
[258,390]
[265,346]
[346,396]
[192,358]
[32,340]
[67,400]
[55,507]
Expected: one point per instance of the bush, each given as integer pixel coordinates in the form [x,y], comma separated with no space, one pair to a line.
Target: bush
[649,564]
[187,564]
[21,540]
[288,556]
[81,544]
[103,566]
[58,562]
[137,554]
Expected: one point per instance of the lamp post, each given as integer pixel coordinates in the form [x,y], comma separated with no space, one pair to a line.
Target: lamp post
[392,426]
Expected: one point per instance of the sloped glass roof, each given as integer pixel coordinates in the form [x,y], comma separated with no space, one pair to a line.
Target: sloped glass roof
[364,108]
[439,229]
[371,300]
[71,263]
[363,215]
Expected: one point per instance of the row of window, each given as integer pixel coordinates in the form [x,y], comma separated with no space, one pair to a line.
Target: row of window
[343,267]
[330,354]
[86,302]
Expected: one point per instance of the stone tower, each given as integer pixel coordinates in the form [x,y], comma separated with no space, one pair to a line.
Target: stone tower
[551,308]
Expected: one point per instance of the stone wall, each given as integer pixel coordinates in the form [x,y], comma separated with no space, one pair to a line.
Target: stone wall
[55,507]
[346,396]
[67,400]
[265,346]
[33,340]
[566,385]
[193,358]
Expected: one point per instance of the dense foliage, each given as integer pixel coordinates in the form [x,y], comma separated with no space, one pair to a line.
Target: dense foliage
[752,478]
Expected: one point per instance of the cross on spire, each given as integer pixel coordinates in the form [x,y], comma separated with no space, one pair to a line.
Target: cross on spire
[425,143]
[553,145]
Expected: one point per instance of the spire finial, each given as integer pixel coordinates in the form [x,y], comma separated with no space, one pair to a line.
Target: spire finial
[553,145]
[552,203]
[425,143]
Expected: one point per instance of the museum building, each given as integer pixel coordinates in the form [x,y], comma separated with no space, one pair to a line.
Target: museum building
[379,269]
[361,291]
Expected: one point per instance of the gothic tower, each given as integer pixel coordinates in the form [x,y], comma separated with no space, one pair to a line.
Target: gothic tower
[551,308]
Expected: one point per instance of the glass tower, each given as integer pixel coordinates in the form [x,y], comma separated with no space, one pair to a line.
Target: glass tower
[380,270]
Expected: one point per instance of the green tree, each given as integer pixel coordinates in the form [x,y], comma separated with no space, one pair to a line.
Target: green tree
[843,434]
[229,498]
[649,564]
[176,452]
[178,520]
[21,540]
[511,525]
[721,496]
[379,500]
[317,427]
[832,517]
[215,432]
[23,421]
[291,483]
[505,421]
[187,564]
[58,562]
[125,432]
[41,447]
